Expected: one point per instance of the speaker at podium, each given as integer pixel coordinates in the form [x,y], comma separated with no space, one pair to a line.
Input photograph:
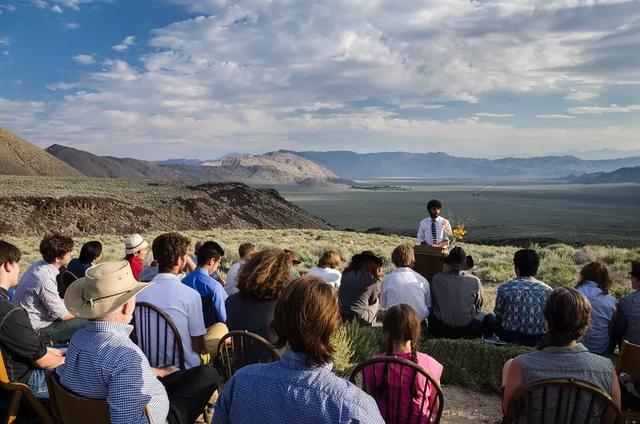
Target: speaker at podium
[430,260]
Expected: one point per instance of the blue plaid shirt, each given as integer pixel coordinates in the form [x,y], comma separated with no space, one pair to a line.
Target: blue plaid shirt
[103,363]
[289,391]
[520,303]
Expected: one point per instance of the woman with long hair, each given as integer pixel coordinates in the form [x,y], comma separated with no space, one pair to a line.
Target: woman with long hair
[594,285]
[260,282]
[401,338]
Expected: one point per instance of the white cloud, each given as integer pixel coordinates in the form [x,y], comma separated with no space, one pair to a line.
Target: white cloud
[4,41]
[599,110]
[555,116]
[494,115]
[56,9]
[84,59]
[71,25]
[125,44]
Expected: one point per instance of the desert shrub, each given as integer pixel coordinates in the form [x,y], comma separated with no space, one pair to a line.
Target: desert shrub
[495,271]
[562,251]
[584,255]
[558,274]
[619,291]
[616,255]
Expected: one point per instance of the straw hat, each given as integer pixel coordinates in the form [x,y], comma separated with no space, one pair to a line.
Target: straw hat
[104,288]
[134,243]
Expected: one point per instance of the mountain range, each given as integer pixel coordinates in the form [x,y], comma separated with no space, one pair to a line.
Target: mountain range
[622,175]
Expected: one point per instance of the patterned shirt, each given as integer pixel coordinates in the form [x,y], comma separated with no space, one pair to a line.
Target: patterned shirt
[289,391]
[38,294]
[520,303]
[628,317]
[103,363]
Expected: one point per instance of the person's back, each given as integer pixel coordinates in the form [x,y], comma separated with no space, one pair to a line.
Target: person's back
[212,294]
[37,285]
[303,394]
[629,314]
[78,268]
[457,297]
[594,284]
[329,275]
[251,314]
[358,294]
[404,285]
[520,302]
[231,285]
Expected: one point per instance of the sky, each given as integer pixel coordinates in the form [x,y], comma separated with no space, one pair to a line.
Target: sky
[158,79]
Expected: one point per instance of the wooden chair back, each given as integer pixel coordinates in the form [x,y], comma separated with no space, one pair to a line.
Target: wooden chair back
[19,391]
[629,363]
[239,348]
[404,391]
[70,408]
[562,401]
[157,336]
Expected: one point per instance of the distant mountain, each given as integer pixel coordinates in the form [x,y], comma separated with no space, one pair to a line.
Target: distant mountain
[602,154]
[441,165]
[271,168]
[622,175]
[19,157]
[194,162]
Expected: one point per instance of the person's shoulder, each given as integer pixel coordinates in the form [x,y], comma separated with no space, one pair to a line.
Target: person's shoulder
[630,298]
[425,221]
[358,405]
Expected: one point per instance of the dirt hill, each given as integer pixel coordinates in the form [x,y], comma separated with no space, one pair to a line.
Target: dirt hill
[19,157]
[34,206]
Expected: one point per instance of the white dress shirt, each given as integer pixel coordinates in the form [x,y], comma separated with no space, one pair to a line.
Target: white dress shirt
[183,305]
[329,275]
[404,285]
[443,230]
[231,283]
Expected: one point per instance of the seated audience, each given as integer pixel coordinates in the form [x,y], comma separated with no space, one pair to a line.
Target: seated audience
[404,285]
[245,251]
[457,299]
[301,386]
[90,253]
[181,303]
[327,268]
[360,288]
[401,336]
[103,363]
[627,321]
[192,264]
[561,354]
[38,294]
[594,285]
[25,356]
[135,250]
[517,316]
[260,282]
[211,293]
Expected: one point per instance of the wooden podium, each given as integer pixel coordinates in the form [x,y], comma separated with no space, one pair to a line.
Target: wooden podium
[429,260]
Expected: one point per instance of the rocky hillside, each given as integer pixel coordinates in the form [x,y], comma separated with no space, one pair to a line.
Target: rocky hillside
[19,157]
[34,206]
[271,168]
[622,175]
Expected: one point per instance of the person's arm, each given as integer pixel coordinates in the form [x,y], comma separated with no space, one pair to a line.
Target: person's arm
[383,294]
[619,326]
[511,381]
[421,238]
[190,266]
[615,389]
[127,393]
[480,299]
[50,298]
[219,299]
[163,372]
[52,359]
[196,323]
[498,309]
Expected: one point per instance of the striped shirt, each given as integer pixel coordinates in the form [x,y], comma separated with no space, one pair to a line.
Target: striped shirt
[425,232]
[103,363]
[38,294]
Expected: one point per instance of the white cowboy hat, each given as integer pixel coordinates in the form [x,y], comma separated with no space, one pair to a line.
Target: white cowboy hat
[104,288]
[134,243]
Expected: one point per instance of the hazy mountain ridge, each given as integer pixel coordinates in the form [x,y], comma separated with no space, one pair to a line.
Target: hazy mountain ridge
[19,157]
[441,165]
[622,175]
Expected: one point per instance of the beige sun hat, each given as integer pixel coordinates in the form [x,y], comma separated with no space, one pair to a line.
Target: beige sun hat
[104,288]
[134,243]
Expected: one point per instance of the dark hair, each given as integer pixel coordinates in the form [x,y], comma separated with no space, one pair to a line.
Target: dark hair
[168,248]
[90,251]
[598,273]
[306,317]
[400,324]
[265,274]
[434,203]
[197,247]
[55,246]
[527,261]
[9,253]
[330,259]
[362,261]
[209,250]
[245,248]
[635,268]
[568,314]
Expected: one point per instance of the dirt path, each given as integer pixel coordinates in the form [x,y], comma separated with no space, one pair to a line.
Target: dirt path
[462,406]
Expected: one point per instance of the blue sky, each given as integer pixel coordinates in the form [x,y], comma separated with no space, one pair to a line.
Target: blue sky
[180,78]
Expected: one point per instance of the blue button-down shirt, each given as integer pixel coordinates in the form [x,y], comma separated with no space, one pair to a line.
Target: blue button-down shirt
[103,363]
[203,283]
[519,305]
[289,391]
[603,307]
